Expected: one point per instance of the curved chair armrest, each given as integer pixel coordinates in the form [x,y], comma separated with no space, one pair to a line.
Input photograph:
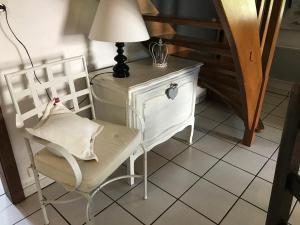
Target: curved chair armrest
[60,151]
[138,115]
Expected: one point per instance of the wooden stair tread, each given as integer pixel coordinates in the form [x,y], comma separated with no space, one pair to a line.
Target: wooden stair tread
[208,59]
[219,77]
[211,24]
[229,95]
[196,43]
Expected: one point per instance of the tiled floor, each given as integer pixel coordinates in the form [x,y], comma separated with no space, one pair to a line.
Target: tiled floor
[216,180]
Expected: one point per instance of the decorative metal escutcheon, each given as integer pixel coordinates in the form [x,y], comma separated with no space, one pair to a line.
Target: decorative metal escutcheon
[172,91]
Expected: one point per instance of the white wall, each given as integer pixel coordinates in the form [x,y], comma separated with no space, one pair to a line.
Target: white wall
[286,64]
[51,29]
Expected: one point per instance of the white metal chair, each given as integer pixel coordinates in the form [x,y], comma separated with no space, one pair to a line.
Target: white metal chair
[113,145]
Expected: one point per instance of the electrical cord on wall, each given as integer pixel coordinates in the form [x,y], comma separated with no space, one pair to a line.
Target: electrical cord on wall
[3,8]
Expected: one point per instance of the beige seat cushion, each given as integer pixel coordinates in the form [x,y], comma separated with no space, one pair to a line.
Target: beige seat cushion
[112,146]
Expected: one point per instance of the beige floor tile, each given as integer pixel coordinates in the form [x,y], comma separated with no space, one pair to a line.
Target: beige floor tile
[1,188]
[115,215]
[280,84]
[173,179]
[202,106]
[155,161]
[37,218]
[146,210]
[267,108]
[75,212]
[280,111]
[271,133]
[215,114]
[204,124]
[259,193]
[227,133]
[15,213]
[244,213]
[268,171]
[295,217]
[4,202]
[11,215]
[245,159]
[170,148]
[180,214]
[262,146]
[185,135]
[274,121]
[278,91]
[209,199]
[213,146]
[275,155]
[235,122]
[229,177]
[195,161]
[118,188]
[274,99]
[54,191]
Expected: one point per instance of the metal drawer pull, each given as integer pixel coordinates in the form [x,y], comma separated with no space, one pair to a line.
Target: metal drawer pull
[172,91]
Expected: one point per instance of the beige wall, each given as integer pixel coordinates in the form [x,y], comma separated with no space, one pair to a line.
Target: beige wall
[51,29]
[286,64]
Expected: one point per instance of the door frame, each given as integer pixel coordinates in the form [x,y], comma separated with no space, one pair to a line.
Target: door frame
[8,168]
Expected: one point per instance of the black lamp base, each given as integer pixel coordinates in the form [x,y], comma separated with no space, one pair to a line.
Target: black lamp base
[121,69]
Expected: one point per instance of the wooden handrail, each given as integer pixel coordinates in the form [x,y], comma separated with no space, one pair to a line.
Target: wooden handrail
[210,24]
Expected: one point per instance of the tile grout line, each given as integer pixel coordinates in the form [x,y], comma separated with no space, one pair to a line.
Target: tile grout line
[116,202]
[240,197]
[292,211]
[200,177]
[276,107]
[46,206]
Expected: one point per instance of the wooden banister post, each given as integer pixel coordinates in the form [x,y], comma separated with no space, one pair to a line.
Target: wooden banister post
[8,168]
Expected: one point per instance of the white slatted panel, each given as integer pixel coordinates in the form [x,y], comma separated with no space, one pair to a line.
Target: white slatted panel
[72,86]
[34,93]
[35,88]
[51,81]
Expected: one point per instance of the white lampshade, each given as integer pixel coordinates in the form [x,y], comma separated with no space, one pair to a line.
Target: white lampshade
[118,21]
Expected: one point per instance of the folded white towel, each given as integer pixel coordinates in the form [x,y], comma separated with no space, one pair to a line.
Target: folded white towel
[61,126]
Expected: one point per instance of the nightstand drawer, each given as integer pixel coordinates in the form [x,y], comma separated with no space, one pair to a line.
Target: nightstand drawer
[160,112]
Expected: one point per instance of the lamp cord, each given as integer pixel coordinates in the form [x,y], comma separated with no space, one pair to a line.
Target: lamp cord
[3,7]
[26,50]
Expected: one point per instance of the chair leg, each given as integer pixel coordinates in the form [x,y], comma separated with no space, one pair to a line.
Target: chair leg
[40,195]
[145,175]
[130,169]
[191,134]
[89,217]
[37,182]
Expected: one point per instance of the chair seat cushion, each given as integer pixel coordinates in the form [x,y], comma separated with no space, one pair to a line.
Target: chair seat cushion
[113,146]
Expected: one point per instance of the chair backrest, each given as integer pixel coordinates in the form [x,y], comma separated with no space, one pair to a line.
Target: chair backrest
[66,79]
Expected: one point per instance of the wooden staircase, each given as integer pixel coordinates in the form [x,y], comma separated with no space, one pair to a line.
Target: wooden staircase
[236,64]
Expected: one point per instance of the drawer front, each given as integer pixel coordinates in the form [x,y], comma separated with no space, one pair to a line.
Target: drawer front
[162,113]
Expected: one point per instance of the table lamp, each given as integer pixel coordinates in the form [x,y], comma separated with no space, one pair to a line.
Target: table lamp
[119,21]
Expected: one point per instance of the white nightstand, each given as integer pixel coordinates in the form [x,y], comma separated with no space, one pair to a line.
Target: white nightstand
[145,90]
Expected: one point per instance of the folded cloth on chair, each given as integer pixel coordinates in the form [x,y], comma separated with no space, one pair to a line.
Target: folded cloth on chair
[61,126]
